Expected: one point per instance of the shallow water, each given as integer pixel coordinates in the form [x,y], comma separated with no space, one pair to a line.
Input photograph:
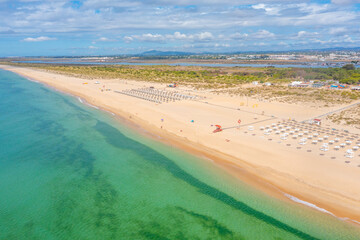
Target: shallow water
[68,171]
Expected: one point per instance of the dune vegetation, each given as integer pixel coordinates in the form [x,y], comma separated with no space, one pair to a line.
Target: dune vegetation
[318,97]
[347,117]
[235,81]
[205,77]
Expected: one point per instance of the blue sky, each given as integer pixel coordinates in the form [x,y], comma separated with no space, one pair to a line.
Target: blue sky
[101,27]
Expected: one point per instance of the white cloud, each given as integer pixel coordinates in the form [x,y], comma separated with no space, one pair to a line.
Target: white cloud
[301,33]
[204,23]
[149,37]
[238,36]
[338,30]
[203,36]
[107,16]
[263,34]
[348,39]
[260,44]
[177,36]
[104,39]
[5,30]
[312,8]
[38,39]
[199,37]
[327,18]
[221,45]
[270,10]
[305,34]
[340,39]
[128,39]
[345,1]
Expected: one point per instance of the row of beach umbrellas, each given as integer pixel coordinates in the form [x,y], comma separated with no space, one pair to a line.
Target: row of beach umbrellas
[156,95]
[307,133]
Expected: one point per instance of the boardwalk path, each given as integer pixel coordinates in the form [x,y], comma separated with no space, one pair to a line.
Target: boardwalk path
[238,109]
[334,111]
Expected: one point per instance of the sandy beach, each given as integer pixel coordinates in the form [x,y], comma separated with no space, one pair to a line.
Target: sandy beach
[249,150]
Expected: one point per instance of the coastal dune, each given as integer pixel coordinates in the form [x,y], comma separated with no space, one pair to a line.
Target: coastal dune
[277,167]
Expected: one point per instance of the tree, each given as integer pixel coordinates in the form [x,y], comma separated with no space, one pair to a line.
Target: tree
[349,81]
[349,67]
[340,74]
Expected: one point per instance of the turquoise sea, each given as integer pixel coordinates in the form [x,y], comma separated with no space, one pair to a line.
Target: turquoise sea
[69,171]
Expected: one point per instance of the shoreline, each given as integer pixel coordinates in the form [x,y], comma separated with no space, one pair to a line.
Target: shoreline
[243,170]
[259,184]
[201,154]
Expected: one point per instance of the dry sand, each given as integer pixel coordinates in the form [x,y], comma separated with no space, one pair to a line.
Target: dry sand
[330,181]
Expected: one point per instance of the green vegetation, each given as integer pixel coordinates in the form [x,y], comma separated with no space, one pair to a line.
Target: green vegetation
[229,80]
[206,77]
[348,67]
[318,97]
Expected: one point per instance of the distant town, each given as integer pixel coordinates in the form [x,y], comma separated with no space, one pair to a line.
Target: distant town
[321,56]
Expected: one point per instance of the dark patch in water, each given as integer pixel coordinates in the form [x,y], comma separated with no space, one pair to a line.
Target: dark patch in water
[82,160]
[50,148]
[48,127]
[210,223]
[91,186]
[117,139]
[153,236]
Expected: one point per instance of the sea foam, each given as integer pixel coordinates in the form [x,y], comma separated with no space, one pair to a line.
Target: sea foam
[295,199]
[86,103]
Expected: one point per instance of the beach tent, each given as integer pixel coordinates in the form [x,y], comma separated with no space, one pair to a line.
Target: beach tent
[317,121]
[218,129]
